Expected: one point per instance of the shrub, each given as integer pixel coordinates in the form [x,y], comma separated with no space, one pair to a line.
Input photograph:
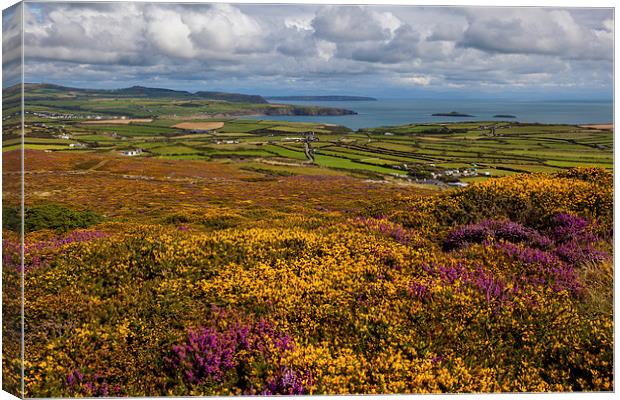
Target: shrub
[493,230]
[11,218]
[58,218]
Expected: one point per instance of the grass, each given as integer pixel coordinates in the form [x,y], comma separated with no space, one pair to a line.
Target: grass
[174,150]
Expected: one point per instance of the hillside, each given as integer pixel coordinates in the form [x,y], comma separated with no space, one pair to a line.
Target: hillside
[50,100]
[39,89]
[232,97]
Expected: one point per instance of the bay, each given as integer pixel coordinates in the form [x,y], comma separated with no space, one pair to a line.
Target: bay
[388,112]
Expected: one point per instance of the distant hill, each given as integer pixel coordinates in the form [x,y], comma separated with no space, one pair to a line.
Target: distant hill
[322,98]
[141,91]
[145,102]
[232,97]
[41,90]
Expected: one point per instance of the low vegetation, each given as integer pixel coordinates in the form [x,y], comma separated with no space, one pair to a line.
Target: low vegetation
[160,260]
[487,288]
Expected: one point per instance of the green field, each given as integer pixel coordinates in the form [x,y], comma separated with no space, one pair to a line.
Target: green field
[417,151]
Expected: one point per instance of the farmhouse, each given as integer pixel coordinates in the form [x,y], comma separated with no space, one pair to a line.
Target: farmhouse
[132,153]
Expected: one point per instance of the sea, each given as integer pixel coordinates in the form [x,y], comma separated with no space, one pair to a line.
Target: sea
[389,112]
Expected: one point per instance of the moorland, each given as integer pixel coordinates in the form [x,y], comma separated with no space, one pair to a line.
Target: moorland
[174,248]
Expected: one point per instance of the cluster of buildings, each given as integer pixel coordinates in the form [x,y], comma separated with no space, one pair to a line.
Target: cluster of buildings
[458,173]
[55,115]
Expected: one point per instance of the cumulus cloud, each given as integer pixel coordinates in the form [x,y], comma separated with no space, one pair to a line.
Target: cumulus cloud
[354,24]
[168,33]
[401,47]
[225,29]
[202,45]
[534,30]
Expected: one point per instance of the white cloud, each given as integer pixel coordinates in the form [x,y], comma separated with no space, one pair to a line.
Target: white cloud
[169,33]
[300,22]
[224,28]
[326,50]
[416,80]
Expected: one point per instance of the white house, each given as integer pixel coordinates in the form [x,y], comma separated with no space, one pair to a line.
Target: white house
[132,153]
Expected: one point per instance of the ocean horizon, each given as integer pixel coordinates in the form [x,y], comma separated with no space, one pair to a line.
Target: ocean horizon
[389,112]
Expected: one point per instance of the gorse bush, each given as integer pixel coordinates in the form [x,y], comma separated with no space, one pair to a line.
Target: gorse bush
[413,296]
[530,200]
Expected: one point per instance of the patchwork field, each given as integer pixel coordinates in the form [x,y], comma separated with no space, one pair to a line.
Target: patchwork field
[434,154]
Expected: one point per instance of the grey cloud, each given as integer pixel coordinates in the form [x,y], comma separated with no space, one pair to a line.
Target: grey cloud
[350,24]
[402,47]
[11,46]
[447,32]
[533,31]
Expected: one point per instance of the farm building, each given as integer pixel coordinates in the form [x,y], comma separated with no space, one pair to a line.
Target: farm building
[132,153]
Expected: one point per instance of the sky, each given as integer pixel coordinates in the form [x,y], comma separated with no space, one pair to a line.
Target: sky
[381,51]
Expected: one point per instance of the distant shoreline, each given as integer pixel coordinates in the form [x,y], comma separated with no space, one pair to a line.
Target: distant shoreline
[321,98]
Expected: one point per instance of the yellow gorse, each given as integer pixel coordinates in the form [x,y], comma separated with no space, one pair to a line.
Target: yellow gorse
[355,294]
